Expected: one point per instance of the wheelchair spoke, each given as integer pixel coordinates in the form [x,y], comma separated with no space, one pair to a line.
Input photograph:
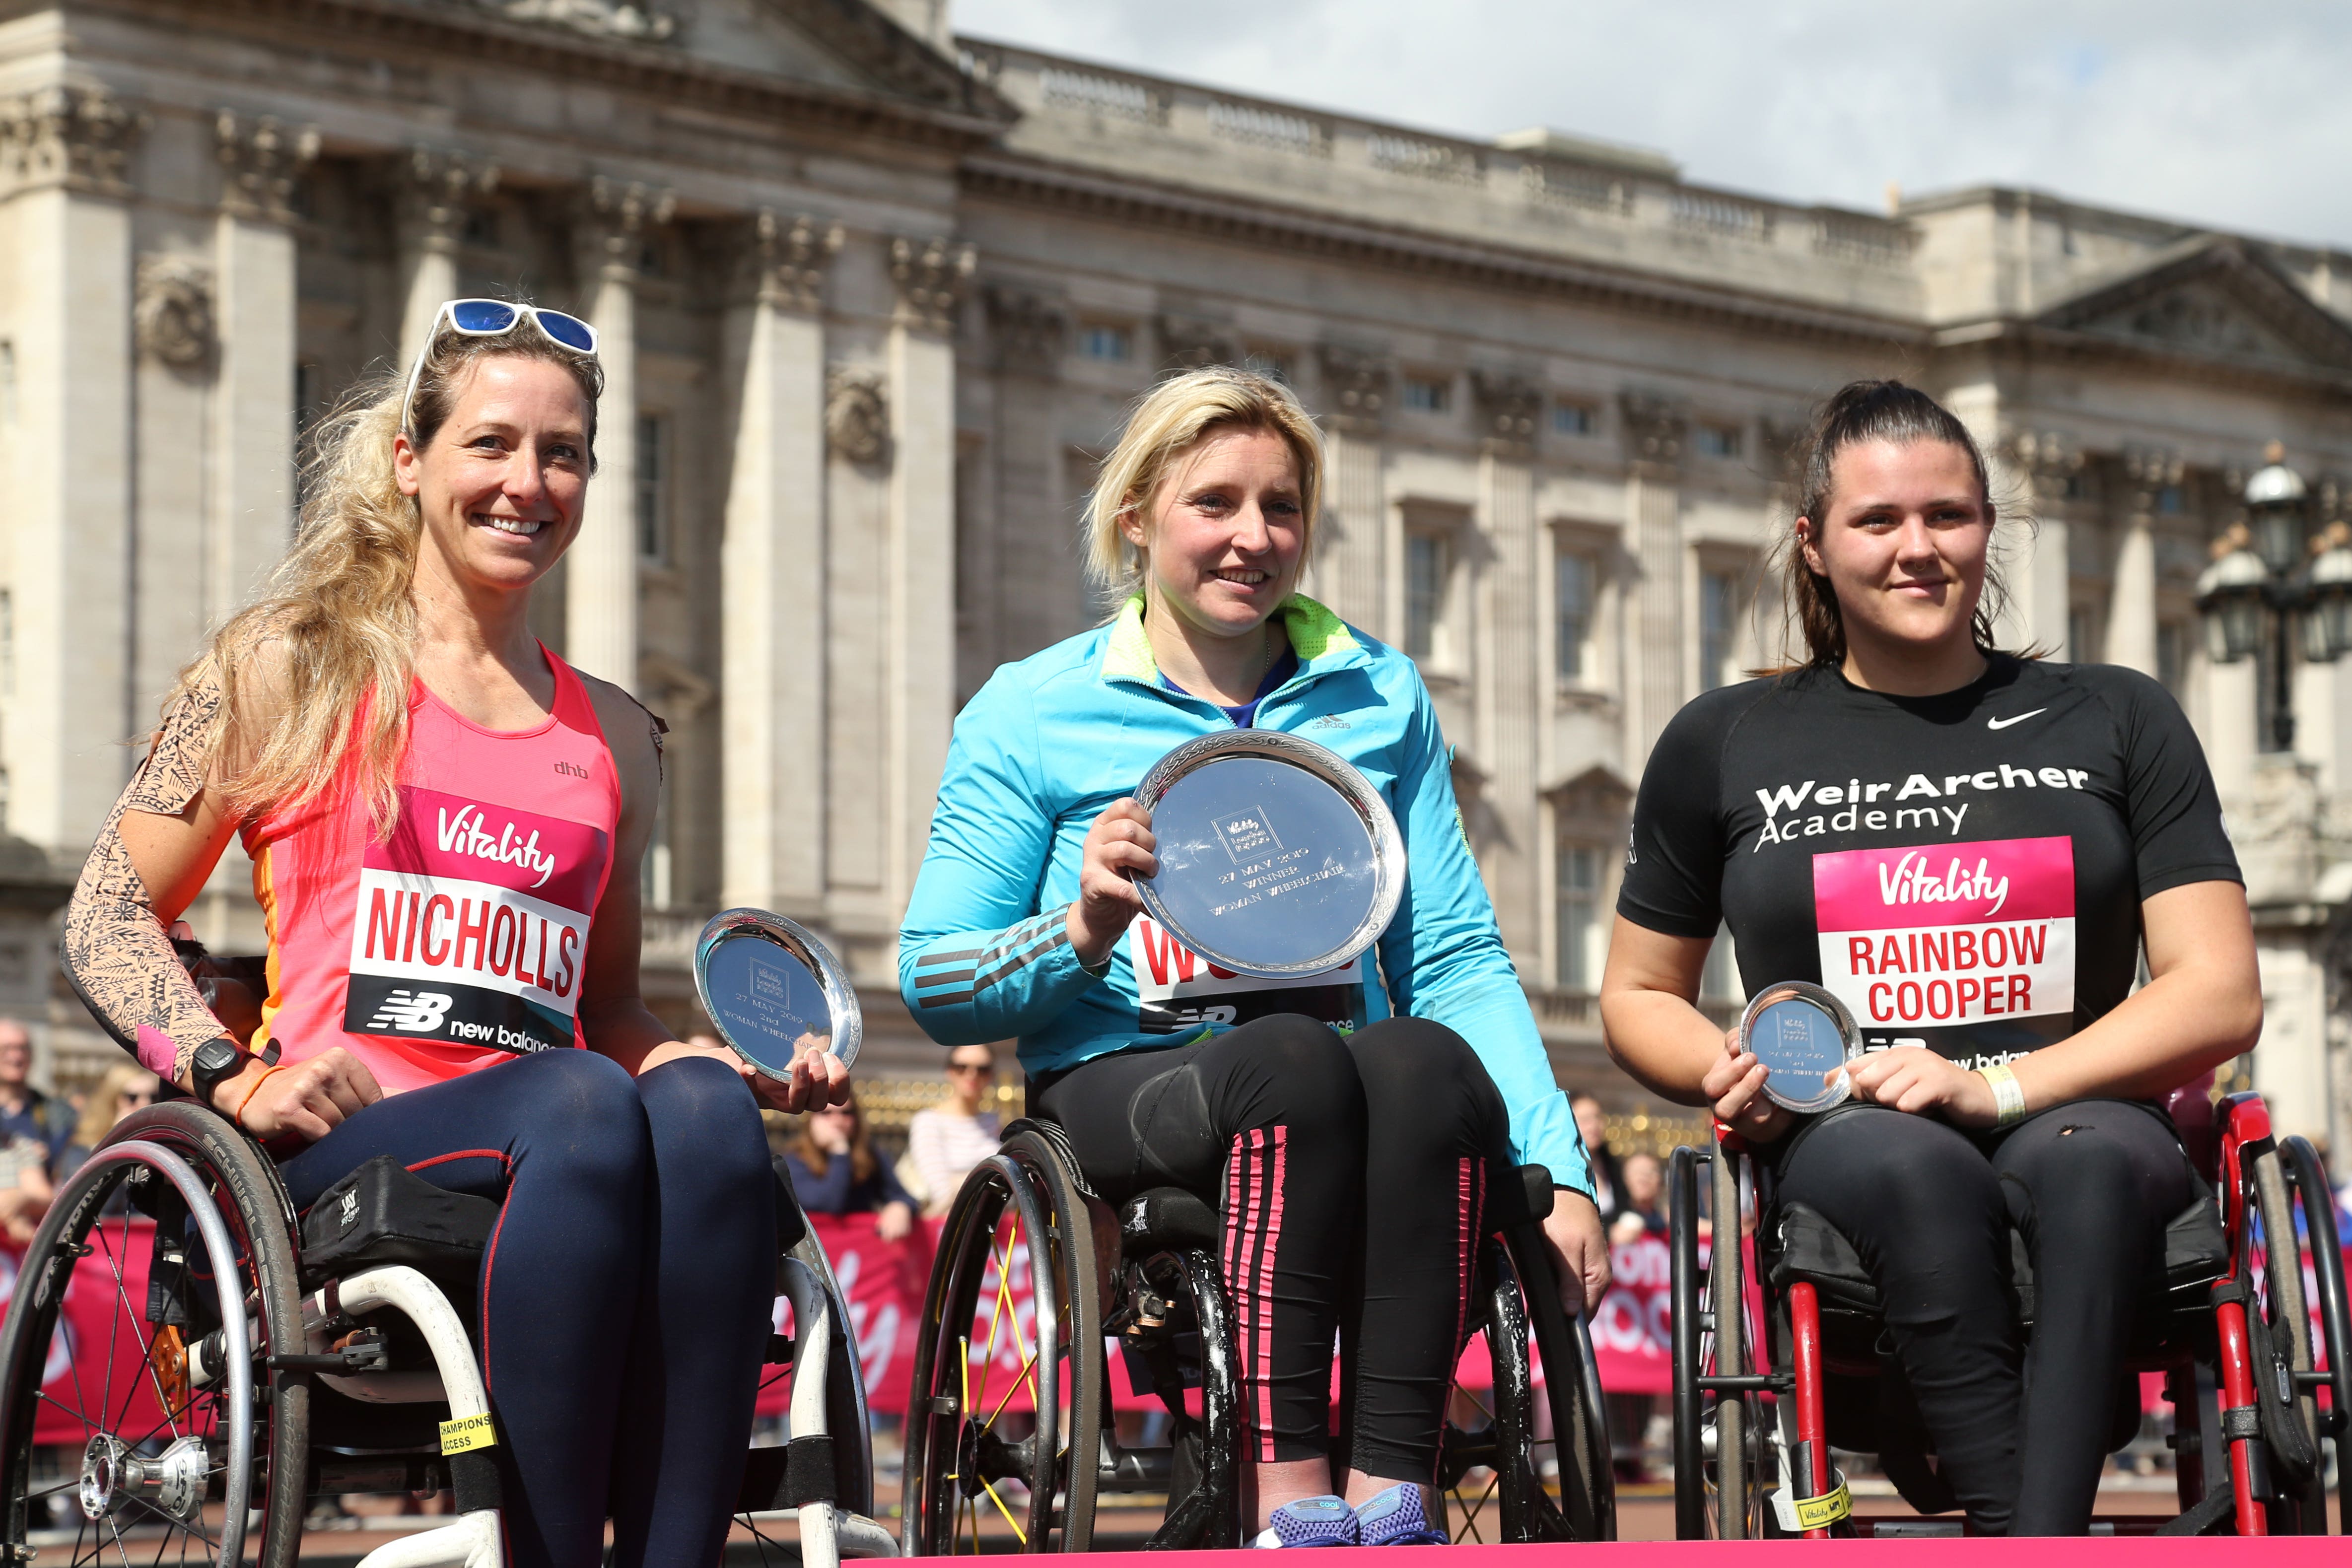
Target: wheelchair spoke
[1470,1511]
[1018,1533]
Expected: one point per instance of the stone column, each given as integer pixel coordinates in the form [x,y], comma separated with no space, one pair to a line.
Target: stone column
[254,295]
[600,571]
[1351,556]
[931,276]
[1023,592]
[2131,606]
[2040,578]
[1654,429]
[432,191]
[65,222]
[1512,679]
[771,595]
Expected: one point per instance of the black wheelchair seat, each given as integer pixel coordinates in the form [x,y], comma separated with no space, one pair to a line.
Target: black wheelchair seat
[384,1213]
[1809,1248]
[1167,1219]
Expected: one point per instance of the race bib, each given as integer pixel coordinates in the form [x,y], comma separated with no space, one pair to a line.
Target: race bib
[472,925]
[1954,935]
[1177,990]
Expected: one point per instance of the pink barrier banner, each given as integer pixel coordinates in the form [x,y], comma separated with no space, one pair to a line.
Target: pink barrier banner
[91,1334]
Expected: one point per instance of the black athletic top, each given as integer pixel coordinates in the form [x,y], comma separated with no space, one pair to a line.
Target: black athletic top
[1963,871]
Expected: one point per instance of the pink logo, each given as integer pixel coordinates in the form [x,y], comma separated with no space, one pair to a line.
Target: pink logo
[1945,884]
[550,857]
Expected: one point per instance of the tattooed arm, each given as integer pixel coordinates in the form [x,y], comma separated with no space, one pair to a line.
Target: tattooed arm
[117,949]
[151,860]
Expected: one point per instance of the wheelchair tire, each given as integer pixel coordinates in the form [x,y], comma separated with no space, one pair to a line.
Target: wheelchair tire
[1586,1510]
[138,1457]
[955,1454]
[1714,1493]
[2283,1329]
[2309,1182]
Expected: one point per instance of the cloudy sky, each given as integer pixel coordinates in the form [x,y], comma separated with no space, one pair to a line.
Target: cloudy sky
[2238,115]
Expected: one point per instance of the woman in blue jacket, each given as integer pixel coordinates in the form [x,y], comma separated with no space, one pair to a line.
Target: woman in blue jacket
[1347,1125]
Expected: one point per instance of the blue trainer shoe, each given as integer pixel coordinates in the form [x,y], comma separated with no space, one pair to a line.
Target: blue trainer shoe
[1311,1521]
[1396,1517]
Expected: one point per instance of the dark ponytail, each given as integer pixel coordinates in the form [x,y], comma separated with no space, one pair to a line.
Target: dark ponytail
[1859,411]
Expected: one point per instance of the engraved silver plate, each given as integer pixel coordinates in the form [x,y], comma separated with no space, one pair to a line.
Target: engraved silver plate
[1801,1034]
[1277,858]
[772,991]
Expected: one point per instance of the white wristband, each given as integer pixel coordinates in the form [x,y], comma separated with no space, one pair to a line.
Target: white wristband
[2007,1094]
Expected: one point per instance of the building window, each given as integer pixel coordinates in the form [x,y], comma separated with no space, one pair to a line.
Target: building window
[1718,629]
[1582,935]
[2172,655]
[1571,576]
[1103,342]
[2081,635]
[1276,367]
[653,487]
[1427,566]
[1719,980]
[1716,440]
[1428,394]
[2170,501]
[1574,419]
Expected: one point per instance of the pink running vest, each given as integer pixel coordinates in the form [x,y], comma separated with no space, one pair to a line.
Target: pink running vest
[460,940]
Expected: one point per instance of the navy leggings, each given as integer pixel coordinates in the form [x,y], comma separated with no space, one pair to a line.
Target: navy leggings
[1351,1174]
[2020,1433]
[625,1296]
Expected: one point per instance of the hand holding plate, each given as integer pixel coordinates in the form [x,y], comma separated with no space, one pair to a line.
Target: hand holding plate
[1119,849]
[1804,1038]
[783,1004]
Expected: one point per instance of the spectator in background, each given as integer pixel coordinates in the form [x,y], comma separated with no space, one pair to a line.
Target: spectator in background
[125,1088]
[1642,1201]
[835,1171]
[25,1110]
[947,1140]
[1592,1124]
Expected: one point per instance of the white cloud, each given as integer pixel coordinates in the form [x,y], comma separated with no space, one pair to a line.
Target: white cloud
[2235,116]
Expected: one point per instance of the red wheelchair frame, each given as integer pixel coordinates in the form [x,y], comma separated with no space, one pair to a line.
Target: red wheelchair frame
[2247,1323]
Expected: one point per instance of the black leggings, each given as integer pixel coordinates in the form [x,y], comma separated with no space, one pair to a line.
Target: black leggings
[2091,1186]
[1353,1174]
[626,1295]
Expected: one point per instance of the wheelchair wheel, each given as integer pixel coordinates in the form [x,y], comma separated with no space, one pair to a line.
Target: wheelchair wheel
[2284,1176]
[1715,1465]
[1532,1431]
[167,1437]
[973,1459]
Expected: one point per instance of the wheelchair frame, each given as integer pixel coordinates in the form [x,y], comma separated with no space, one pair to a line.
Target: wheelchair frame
[1149,1275]
[2246,1327]
[237,1401]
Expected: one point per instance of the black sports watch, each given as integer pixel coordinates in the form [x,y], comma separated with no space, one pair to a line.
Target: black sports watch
[215,1060]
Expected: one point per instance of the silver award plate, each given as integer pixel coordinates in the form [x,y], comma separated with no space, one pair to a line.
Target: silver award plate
[772,991]
[1277,858]
[1802,1035]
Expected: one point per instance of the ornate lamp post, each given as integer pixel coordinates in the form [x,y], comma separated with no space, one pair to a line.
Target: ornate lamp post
[2272,582]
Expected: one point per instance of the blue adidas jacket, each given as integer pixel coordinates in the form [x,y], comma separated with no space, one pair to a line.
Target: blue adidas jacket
[1051,741]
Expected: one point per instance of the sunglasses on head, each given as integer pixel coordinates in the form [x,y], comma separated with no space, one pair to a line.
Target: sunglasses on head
[969,1066]
[490,319]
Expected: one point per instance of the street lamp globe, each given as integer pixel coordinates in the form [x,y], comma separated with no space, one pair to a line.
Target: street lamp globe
[2230,597]
[2275,510]
[2328,613]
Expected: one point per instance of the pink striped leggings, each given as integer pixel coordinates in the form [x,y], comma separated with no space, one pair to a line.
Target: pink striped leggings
[1352,1174]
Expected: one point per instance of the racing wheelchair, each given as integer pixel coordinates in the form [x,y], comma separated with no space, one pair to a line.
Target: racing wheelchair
[1776,1355]
[252,1359]
[1011,1420]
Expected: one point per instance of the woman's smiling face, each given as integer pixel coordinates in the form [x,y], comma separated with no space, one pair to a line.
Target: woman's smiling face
[1904,542]
[1225,535]
[502,482]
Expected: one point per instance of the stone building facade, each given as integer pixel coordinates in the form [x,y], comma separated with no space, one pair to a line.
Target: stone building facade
[874,299]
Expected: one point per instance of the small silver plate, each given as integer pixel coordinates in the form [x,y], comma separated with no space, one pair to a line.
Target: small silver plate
[772,991]
[1277,858]
[1801,1034]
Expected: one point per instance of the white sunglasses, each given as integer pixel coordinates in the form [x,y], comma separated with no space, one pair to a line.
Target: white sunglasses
[489,319]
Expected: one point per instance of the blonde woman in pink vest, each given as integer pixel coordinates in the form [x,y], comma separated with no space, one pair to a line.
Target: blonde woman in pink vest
[445,822]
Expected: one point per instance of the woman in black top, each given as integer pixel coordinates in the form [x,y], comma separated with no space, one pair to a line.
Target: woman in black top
[1969,849]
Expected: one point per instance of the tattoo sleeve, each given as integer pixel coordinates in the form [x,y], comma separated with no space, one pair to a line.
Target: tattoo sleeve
[116,953]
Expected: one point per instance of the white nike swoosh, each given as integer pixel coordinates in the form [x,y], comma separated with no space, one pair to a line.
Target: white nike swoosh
[2005,723]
